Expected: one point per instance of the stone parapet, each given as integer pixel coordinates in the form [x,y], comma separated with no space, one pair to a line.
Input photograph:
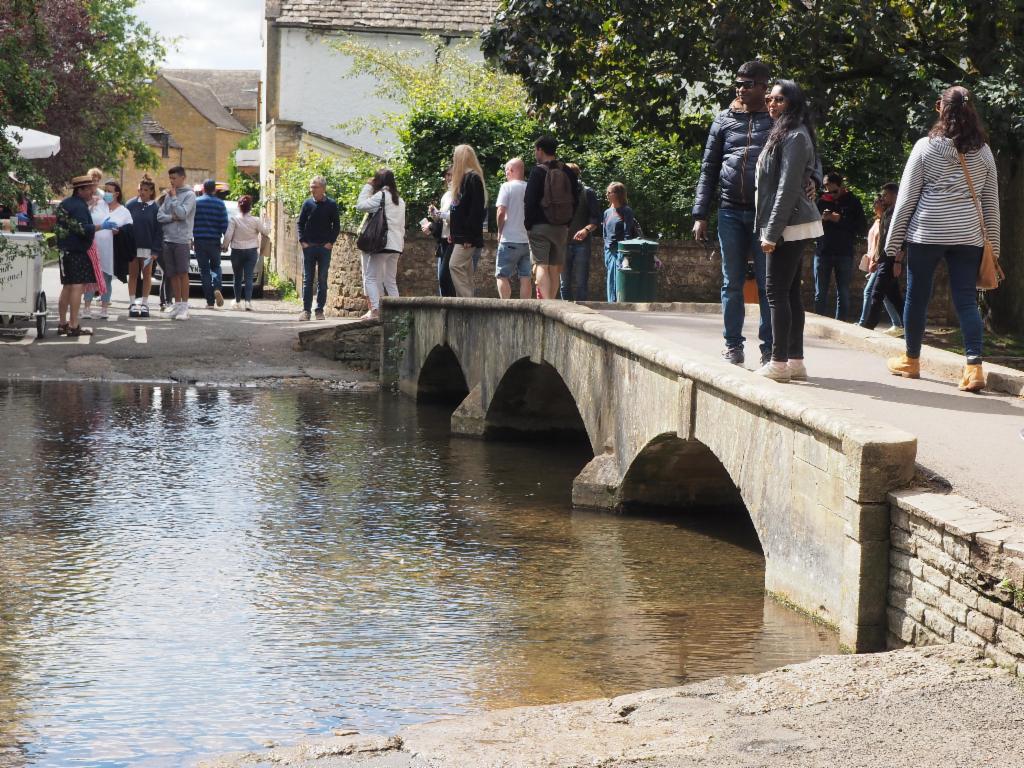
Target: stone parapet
[956,575]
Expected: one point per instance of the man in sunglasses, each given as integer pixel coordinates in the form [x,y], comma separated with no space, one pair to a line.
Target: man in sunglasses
[737,137]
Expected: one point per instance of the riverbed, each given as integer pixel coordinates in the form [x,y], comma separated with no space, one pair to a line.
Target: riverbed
[188,571]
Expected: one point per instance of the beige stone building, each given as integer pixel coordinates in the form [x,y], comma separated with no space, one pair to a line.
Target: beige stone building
[167,149]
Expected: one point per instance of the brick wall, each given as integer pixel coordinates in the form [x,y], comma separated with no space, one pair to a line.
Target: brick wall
[690,273]
[947,562]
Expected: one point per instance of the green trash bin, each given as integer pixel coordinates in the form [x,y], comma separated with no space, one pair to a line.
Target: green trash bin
[636,280]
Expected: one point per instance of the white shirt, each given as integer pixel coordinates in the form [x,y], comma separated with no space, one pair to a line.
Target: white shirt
[369,202]
[445,214]
[105,237]
[244,231]
[512,195]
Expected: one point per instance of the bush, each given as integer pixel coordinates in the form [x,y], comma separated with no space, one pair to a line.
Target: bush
[240,183]
[430,133]
[345,177]
[660,175]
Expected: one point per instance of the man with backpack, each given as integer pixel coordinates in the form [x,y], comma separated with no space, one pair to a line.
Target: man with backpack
[552,194]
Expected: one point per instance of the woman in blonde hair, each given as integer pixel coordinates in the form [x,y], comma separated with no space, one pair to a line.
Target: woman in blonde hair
[468,212]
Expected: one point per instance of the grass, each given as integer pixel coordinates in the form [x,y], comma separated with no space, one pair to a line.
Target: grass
[1003,348]
[285,287]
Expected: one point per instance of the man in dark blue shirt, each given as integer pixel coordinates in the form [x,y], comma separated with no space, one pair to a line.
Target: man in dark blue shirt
[210,224]
[319,226]
[75,232]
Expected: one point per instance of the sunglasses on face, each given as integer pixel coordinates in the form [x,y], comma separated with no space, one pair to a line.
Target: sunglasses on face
[741,84]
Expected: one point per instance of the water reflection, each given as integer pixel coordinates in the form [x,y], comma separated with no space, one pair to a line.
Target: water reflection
[188,571]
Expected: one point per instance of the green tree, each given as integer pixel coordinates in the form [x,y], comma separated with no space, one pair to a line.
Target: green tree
[873,69]
[81,69]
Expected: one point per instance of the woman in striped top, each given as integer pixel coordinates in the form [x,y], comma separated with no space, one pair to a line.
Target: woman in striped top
[936,217]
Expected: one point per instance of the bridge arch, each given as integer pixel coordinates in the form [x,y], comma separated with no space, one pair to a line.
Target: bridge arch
[533,399]
[441,378]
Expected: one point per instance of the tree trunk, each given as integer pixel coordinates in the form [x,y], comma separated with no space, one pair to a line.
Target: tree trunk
[1007,303]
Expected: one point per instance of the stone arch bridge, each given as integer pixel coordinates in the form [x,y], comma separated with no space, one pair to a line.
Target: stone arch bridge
[674,430]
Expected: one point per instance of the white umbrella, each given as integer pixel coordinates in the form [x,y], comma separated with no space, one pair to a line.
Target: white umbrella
[31,144]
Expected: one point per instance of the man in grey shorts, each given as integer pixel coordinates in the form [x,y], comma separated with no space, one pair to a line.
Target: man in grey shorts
[552,194]
[177,214]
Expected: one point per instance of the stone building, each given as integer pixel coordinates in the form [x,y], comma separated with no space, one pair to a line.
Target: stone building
[209,112]
[167,148]
[307,91]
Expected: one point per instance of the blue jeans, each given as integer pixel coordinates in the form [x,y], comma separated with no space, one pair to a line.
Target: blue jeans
[826,263]
[611,267]
[739,244]
[893,311]
[315,258]
[963,262]
[208,258]
[243,263]
[576,272]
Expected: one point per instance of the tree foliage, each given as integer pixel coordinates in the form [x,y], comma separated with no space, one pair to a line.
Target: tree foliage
[872,68]
[239,183]
[81,69]
[345,177]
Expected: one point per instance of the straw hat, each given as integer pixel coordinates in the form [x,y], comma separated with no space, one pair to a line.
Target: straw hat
[82,181]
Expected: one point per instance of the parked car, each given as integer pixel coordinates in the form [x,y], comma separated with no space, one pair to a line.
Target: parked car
[195,280]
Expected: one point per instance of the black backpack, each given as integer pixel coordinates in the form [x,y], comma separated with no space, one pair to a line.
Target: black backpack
[374,236]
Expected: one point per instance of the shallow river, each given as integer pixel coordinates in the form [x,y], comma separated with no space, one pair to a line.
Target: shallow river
[187,571]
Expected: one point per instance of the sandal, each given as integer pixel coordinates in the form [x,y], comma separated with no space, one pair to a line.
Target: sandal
[79,331]
[62,329]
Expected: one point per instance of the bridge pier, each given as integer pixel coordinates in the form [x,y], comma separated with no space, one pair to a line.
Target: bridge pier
[470,419]
[598,485]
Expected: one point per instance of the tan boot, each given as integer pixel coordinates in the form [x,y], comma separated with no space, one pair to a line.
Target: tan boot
[973,379]
[907,367]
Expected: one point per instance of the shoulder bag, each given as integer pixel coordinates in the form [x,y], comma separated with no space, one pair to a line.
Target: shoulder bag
[990,274]
[374,236]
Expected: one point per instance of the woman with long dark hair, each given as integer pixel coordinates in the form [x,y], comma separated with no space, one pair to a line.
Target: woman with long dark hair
[786,221]
[936,216]
[380,270]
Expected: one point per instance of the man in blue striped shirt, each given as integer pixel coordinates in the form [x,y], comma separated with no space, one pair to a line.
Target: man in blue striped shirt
[210,225]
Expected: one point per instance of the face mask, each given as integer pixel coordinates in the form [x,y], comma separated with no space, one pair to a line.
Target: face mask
[108,197]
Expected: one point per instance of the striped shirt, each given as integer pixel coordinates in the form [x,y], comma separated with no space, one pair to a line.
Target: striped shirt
[934,206]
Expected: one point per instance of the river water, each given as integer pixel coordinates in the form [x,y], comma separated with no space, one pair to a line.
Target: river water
[189,571]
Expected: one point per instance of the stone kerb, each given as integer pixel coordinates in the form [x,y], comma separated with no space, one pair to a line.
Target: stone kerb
[956,576]
[815,480]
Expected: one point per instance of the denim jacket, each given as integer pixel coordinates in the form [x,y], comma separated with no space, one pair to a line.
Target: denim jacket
[782,175]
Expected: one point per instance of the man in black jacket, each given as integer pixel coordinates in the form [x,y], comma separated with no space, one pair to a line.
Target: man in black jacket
[737,137]
[842,218]
[319,225]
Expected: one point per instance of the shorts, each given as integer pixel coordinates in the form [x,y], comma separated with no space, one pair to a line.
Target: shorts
[76,268]
[513,258]
[176,259]
[548,243]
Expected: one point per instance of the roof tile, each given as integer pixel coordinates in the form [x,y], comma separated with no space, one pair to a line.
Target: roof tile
[468,17]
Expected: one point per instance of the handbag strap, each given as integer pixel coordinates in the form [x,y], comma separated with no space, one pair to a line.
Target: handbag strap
[974,195]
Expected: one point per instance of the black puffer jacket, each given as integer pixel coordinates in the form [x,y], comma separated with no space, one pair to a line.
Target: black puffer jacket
[730,159]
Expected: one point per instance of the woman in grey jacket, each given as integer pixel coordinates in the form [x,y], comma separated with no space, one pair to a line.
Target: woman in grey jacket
[786,221]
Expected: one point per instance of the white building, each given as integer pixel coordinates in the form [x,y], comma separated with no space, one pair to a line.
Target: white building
[307,93]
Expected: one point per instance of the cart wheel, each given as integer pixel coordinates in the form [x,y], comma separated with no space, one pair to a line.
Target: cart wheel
[41,317]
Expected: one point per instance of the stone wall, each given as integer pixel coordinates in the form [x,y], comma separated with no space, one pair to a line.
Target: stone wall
[951,564]
[690,273]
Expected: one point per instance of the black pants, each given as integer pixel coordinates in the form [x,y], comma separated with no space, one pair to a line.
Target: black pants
[444,272]
[782,284]
[887,286]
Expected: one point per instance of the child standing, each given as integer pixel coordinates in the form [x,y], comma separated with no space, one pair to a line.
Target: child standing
[619,224]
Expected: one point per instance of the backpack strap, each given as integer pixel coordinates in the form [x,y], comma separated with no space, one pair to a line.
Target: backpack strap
[974,195]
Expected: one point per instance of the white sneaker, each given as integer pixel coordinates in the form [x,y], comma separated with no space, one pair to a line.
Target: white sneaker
[103,313]
[894,330]
[236,304]
[774,371]
[248,306]
[797,370]
[183,314]
[175,311]
[86,313]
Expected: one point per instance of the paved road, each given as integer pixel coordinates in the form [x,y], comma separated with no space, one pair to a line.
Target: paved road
[217,346]
[972,441]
